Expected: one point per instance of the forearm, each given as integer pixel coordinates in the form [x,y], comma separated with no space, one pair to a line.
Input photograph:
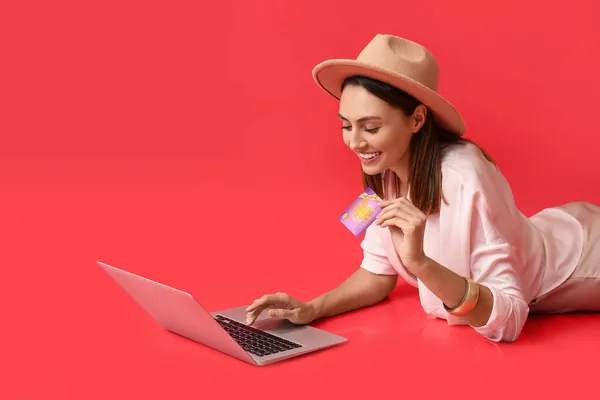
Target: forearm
[450,288]
[361,289]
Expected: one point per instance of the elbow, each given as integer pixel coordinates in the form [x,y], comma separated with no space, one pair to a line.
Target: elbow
[507,318]
[385,285]
[506,334]
[512,339]
[388,285]
[503,336]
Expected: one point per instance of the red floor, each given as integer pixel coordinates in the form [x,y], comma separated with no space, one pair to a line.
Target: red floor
[69,332]
[142,134]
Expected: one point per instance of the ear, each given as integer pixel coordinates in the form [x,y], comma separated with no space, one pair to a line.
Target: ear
[418,118]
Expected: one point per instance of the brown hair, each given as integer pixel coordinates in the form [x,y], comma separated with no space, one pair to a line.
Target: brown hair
[426,148]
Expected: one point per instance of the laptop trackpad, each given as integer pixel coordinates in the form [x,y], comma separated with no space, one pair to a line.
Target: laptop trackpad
[276,325]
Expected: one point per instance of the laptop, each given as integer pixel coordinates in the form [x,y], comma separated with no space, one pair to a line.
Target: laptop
[267,341]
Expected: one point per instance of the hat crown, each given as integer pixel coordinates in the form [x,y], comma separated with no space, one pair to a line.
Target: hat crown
[403,57]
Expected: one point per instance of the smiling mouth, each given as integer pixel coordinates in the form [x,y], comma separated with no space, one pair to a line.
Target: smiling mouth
[369,156]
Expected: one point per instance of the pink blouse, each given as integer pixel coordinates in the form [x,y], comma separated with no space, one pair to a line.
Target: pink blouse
[481,234]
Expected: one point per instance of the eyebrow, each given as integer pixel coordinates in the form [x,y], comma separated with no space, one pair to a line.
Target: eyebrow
[367,118]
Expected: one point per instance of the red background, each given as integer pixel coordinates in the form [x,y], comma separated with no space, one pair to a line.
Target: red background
[144,134]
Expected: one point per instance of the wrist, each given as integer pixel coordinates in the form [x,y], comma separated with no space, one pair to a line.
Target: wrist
[420,267]
[316,306]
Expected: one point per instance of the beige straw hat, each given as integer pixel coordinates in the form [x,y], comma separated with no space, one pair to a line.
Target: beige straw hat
[401,63]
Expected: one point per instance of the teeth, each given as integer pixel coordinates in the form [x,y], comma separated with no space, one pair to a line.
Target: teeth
[368,156]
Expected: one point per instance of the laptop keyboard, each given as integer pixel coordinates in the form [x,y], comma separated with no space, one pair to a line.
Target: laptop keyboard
[253,340]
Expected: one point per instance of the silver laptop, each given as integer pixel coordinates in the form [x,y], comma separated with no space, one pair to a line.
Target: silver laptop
[265,342]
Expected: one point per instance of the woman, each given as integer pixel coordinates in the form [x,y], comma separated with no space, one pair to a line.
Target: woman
[449,224]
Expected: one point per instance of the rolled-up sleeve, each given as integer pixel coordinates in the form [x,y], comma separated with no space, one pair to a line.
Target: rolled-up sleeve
[494,267]
[494,261]
[508,317]
[375,259]
[481,238]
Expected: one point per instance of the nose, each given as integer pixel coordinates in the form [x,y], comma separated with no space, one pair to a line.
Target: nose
[356,141]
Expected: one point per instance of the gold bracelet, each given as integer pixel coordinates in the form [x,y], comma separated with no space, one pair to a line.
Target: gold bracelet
[468,302]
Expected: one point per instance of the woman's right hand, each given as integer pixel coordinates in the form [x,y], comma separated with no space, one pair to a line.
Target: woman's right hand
[281,305]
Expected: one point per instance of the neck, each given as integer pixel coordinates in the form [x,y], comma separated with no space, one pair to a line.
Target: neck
[401,169]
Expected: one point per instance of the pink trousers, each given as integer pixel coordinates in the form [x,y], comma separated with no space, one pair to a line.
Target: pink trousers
[581,291]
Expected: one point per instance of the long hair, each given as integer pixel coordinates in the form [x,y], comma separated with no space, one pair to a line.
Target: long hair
[426,148]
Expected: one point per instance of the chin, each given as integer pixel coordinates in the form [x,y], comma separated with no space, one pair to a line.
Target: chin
[372,170]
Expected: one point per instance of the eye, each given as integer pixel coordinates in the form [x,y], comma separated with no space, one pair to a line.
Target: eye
[347,127]
[372,130]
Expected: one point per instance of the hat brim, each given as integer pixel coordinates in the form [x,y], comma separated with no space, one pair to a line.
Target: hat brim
[330,75]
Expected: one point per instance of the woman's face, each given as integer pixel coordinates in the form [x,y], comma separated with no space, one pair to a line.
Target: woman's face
[378,133]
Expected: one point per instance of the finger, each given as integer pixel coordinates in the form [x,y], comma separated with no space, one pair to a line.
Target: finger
[409,206]
[403,224]
[393,211]
[411,214]
[259,310]
[252,316]
[407,227]
[270,299]
[282,313]
[401,201]
[279,300]
[259,302]
[403,209]
[255,304]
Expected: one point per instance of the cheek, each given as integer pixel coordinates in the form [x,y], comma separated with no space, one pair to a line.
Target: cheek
[346,137]
[384,144]
[396,143]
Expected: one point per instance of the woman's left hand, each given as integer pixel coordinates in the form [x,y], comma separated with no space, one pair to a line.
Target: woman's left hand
[407,225]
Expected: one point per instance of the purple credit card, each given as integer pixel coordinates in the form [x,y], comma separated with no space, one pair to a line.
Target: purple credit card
[362,212]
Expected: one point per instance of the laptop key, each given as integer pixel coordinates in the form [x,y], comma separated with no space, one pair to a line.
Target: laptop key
[255,341]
